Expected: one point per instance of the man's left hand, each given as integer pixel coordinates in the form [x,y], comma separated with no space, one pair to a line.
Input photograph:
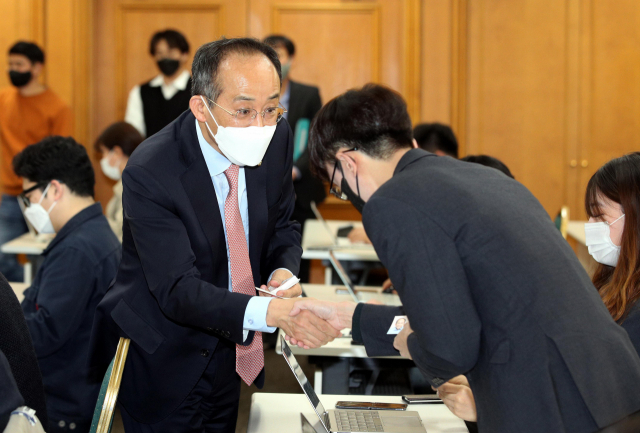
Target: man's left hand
[400,342]
[278,279]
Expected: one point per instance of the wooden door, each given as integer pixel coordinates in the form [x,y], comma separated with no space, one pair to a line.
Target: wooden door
[342,45]
[122,31]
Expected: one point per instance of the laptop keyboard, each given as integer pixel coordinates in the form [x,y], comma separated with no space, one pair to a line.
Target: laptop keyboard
[358,420]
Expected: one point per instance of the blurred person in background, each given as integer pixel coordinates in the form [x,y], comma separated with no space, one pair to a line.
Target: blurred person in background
[302,103]
[29,112]
[156,103]
[436,138]
[115,145]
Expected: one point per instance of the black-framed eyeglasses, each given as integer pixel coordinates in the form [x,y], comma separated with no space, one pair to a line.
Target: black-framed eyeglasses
[337,192]
[23,194]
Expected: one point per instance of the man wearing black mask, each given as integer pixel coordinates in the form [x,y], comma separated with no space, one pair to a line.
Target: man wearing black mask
[156,103]
[29,112]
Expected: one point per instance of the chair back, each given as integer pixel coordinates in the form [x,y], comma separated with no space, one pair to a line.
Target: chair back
[106,404]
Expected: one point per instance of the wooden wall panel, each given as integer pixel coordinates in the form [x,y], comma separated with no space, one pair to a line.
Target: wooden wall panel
[121,33]
[516,85]
[611,31]
[341,45]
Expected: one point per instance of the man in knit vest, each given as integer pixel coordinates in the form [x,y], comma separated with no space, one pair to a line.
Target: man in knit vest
[156,103]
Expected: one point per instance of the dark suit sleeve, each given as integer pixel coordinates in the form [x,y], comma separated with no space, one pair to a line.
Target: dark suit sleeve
[65,288]
[10,398]
[284,245]
[632,325]
[425,267]
[315,103]
[371,323]
[168,261]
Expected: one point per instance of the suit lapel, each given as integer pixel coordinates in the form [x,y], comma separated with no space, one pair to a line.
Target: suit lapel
[256,179]
[199,188]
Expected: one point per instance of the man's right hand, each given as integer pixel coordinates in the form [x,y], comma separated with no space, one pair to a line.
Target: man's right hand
[338,315]
[305,328]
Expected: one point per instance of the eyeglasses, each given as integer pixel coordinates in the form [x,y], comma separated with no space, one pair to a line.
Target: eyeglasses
[337,192]
[23,195]
[245,116]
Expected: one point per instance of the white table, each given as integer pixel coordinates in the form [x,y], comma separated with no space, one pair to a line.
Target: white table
[575,230]
[32,246]
[27,244]
[316,240]
[18,289]
[277,413]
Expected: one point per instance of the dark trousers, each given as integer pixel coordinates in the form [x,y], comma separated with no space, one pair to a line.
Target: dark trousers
[212,405]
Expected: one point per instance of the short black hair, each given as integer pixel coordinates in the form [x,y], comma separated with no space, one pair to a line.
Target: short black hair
[173,38]
[28,49]
[207,60]
[120,134]
[276,41]
[57,158]
[374,119]
[489,161]
[436,136]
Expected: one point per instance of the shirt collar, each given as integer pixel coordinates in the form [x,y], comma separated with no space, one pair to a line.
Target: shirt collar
[216,162]
[179,83]
[76,221]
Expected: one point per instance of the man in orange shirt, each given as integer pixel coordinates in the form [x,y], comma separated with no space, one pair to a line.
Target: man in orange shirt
[29,112]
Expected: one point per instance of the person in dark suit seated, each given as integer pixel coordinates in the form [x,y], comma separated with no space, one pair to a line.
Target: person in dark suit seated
[436,138]
[488,161]
[16,344]
[489,286]
[79,264]
[301,101]
[207,207]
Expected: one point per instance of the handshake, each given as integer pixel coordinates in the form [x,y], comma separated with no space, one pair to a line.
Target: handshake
[310,323]
[306,322]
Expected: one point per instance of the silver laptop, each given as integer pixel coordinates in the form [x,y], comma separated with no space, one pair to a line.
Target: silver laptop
[344,277]
[352,420]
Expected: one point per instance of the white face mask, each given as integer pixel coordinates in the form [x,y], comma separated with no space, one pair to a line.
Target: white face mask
[599,243]
[242,146]
[38,217]
[112,172]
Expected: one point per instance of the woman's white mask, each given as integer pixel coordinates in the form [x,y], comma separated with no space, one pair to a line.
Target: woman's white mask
[599,243]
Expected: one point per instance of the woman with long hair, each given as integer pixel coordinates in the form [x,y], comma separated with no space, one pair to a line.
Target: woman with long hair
[613,237]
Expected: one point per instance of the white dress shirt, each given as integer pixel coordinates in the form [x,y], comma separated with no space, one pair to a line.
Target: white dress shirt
[255,315]
[135,113]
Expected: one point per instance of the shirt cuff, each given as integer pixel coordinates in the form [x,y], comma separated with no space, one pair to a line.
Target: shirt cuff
[255,315]
[285,269]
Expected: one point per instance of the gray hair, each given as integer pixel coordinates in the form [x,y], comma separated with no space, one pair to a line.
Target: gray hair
[209,56]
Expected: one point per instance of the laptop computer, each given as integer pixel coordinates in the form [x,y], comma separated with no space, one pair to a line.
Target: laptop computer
[344,277]
[351,420]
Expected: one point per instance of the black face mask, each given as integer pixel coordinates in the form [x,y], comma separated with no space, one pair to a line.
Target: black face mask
[20,79]
[354,198]
[168,67]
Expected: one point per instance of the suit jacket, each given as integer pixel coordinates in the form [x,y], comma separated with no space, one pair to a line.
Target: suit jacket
[11,398]
[493,291]
[304,103]
[171,295]
[16,344]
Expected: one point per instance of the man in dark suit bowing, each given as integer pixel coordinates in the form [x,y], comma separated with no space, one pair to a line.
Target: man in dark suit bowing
[490,288]
[207,203]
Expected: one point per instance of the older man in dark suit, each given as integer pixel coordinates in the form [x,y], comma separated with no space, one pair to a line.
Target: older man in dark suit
[490,288]
[207,205]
